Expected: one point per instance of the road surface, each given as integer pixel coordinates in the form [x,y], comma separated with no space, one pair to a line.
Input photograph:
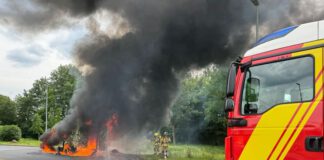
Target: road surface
[34,153]
[26,153]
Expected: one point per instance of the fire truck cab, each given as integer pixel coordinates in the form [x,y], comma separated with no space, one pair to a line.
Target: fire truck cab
[274,101]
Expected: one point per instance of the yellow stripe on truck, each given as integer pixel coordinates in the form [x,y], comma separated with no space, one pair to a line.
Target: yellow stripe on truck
[289,130]
[264,137]
[272,124]
[304,116]
[309,44]
[300,128]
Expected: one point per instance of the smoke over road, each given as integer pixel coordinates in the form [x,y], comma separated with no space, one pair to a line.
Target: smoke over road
[135,74]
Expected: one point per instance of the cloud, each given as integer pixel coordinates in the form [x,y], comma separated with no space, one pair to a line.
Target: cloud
[64,39]
[32,56]
[26,57]
[26,15]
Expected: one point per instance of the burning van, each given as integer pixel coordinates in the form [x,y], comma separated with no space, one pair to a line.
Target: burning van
[91,144]
[275,97]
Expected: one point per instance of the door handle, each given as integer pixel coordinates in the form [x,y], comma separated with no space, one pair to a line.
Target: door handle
[314,144]
[237,122]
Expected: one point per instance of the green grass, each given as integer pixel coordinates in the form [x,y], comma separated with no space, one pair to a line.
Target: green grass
[193,152]
[23,142]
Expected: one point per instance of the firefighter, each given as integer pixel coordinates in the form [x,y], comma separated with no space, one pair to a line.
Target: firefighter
[156,141]
[165,140]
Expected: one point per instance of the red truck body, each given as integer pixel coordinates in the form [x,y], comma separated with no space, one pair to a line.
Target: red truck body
[274,100]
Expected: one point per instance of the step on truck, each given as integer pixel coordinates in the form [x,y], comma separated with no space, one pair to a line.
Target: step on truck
[274,97]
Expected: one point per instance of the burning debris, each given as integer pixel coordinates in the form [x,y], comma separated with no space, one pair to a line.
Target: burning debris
[89,149]
[130,80]
[92,146]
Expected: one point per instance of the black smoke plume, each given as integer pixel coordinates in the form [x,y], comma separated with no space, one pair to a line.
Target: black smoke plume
[136,74]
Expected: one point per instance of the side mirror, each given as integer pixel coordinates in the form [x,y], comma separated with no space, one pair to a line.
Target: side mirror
[231,80]
[252,90]
[229,105]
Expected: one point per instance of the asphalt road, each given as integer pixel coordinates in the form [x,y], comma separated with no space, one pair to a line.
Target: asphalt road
[34,153]
[26,153]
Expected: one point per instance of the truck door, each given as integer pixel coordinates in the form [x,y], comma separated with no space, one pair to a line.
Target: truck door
[281,105]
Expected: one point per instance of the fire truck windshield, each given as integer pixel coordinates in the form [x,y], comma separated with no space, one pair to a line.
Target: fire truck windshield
[268,85]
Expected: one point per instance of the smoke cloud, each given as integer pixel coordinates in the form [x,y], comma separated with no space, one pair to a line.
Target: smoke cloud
[136,73]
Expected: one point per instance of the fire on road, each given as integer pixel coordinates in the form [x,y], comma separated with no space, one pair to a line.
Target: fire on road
[33,153]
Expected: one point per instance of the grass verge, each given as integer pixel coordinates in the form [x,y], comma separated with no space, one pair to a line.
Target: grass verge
[193,152]
[23,142]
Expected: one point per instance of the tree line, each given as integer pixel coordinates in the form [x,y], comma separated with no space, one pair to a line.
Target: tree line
[196,116]
[27,110]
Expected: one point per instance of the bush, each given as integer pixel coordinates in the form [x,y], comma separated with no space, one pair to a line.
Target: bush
[10,132]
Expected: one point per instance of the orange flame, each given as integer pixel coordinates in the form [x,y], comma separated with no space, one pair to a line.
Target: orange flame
[47,149]
[81,151]
[90,148]
[84,150]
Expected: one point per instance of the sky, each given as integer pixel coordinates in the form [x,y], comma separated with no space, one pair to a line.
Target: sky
[25,58]
[28,54]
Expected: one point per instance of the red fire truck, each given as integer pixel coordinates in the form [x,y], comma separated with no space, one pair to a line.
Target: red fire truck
[274,99]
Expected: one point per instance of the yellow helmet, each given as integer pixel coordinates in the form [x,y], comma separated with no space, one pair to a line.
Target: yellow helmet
[156,134]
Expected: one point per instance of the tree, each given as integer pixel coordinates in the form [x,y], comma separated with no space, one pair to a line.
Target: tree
[26,107]
[55,116]
[59,87]
[188,110]
[37,125]
[8,111]
[62,86]
[197,114]
[216,93]
[213,130]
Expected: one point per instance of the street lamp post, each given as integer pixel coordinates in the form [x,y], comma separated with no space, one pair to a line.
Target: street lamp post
[46,101]
[257,4]
[46,106]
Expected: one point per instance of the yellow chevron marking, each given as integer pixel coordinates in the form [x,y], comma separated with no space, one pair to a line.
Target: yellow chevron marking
[272,123]
[300,128]
[267,132]
[290,130]
[317,53]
